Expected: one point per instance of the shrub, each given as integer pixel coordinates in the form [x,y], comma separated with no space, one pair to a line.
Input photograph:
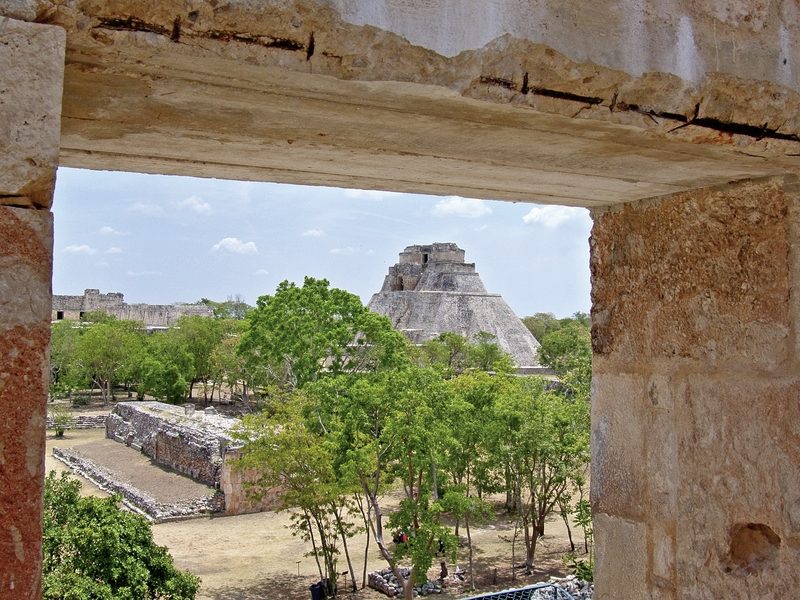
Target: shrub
[94,550]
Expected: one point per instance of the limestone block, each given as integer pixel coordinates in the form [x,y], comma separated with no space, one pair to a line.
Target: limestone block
[619,427]
[25,275]
[620,567]
[24,10]
[740,466]
[698,278]
[26,248]
[31,80]
[662,568]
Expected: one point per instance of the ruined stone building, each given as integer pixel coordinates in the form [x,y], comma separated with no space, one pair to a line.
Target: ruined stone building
[676,122]
[153,316]
[198,444]
[432,290]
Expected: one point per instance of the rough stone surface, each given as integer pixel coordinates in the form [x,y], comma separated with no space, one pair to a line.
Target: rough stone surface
[25,272]
[80,422]
[620,572]
[31,80]
[193,442]
[715,267]
[431,290]
[293,92]
[696,456]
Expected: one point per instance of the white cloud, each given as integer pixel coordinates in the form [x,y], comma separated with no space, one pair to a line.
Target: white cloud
[346,251]
[146,208]
[370,194]
[114,250]
[552,216]
[143,273]
[106,230]
[261,272]
[197,204]
[80,249]
[234,245]
[313,233]
[456,206]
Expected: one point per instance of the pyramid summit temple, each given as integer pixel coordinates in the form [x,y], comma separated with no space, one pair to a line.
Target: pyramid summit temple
[431,290]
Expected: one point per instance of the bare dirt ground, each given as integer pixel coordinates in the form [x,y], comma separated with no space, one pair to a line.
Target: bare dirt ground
[251,557]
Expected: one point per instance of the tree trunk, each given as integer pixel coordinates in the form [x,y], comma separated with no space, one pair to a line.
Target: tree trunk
[514,551]
[408,586]
[565,518]
[365,515]
[340,527]
[313,545]
[469,546]
[530,553]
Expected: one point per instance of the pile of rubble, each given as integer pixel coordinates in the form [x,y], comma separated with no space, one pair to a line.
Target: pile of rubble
[577,588]
[136,499]
[385,581]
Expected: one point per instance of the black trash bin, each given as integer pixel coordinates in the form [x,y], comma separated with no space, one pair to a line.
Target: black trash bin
[317,591]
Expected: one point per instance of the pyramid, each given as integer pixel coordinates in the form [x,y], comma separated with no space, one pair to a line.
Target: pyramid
[432,290]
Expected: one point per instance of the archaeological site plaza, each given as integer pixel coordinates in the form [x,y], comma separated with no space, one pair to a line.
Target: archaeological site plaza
[677,122]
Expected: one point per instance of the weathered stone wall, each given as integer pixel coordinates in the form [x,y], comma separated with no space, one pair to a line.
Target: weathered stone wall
[191,445]
[136,499]
[234,485]
[431,290]
[151,315]
[696,451]
[31,74]
[196,444]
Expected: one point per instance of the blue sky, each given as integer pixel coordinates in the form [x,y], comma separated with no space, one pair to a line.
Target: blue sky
[162,239]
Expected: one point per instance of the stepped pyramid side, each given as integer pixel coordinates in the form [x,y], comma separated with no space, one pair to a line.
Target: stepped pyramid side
[432,290]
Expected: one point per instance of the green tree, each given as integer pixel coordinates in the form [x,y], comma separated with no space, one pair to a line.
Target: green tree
[486,355]
[104,351]
[63,341]
[233,308]
[453,354]
[540,324]
[542,439]
[93,550]
[290,454]
[196,337]
[301,332]
[387,427]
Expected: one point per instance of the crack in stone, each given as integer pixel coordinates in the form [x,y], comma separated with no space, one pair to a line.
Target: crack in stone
[135,24]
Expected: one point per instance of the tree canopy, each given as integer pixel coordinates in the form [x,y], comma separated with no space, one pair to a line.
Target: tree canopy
[93,550]
[302,331]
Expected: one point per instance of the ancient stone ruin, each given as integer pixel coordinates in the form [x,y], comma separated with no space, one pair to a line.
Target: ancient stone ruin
[197,443]
[152,316]
[431,290]
[677,122]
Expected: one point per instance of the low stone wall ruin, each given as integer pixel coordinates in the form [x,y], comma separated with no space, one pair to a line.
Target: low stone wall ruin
[193,442]
[136,499]
[81,422]
[190,442]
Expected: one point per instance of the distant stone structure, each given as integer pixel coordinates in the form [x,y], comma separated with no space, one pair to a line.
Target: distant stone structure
[197,443]
[431,290]
[152,316]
